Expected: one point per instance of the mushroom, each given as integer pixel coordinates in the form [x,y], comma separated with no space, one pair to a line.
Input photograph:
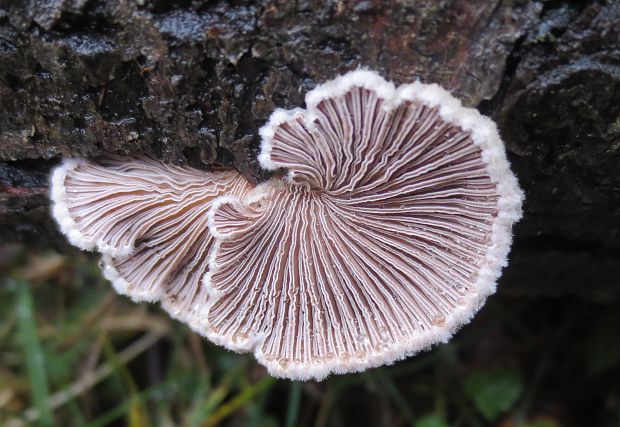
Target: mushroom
[386,234]
[148,219]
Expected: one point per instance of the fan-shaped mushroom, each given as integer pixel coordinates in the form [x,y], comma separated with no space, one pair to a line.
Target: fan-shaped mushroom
[150,222]
[387,233]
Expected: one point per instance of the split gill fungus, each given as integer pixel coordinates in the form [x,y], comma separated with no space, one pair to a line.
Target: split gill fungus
[386,233]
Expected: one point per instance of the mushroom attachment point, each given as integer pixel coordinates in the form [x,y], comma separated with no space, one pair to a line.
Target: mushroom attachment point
[149,220]
[385,235]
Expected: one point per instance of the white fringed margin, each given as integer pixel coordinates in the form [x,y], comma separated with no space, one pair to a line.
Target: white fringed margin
[484,134]
[121,285]
[331,89]
[60,212]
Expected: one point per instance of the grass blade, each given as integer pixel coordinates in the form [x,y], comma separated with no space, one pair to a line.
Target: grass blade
[294,401]
[34,356]
[239,400]
[138,415]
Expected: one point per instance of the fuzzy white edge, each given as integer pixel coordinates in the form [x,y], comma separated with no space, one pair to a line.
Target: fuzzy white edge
[60,213]
[121,285]
[484,134]
[339,86]
[62,216]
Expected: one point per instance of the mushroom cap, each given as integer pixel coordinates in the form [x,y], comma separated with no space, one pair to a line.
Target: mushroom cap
[149,220]
[387,233]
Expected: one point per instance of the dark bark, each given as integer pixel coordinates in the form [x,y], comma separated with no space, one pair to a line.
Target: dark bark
[191,82]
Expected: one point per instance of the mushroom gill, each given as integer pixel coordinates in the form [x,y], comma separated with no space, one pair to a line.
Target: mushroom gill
[149,220]
[387,233]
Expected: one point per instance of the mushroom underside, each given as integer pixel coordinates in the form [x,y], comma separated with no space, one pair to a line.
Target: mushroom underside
[387,233]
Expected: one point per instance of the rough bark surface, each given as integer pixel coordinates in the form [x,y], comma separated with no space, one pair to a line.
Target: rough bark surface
[191,82]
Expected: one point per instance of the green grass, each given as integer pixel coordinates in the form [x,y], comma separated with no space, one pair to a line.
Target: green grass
[294,400]
[73,353]
[33,355]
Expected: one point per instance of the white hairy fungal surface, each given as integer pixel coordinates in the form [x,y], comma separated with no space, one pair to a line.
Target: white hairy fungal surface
[386,235]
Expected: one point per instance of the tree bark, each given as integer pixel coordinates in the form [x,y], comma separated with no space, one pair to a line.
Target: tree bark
[191,82]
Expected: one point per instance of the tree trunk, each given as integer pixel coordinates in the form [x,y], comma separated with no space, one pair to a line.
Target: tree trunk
[191,82]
